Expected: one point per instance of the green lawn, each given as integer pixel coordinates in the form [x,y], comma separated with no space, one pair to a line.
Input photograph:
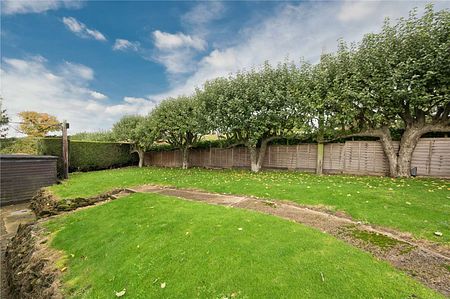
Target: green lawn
[196,250]
[418,206]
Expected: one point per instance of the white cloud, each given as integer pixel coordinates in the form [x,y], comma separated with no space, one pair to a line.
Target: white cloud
[297,31]
[77,71]
[29,84]
[123,45]
[168,41]
[81,29]
[203,13]
[98,95]
[177,51]
[226,59]
[133,100]
[356,11]
[10,7]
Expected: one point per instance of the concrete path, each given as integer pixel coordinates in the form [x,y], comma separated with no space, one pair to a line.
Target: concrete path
[10,218]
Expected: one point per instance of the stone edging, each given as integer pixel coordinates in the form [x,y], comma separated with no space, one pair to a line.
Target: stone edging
[30,267]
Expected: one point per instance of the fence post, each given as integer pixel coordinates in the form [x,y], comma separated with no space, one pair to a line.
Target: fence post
[430,150]
[232,157]
[210,150]
[65,150]
[319,164]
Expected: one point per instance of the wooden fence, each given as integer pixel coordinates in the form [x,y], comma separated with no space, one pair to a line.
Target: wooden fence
[431,157]
[21,176]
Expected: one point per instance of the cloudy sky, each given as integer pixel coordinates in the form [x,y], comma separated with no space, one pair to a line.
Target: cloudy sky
[90,62]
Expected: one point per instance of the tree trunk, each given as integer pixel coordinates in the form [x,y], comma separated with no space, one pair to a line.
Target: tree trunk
[389,151]
[408,143]
[257,155]
[141,157]
[185,158]
[254,158]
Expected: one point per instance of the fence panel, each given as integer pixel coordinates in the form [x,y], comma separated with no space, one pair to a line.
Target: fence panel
[365,157]
[431,157]
[333,157]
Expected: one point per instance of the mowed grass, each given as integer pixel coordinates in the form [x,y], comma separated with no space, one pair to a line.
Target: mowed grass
[419,206]
[145,241]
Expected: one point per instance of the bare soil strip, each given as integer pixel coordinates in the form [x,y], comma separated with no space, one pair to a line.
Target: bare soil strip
[423,260]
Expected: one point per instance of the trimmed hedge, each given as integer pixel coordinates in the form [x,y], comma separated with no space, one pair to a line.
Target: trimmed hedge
[88,155]
[23,145]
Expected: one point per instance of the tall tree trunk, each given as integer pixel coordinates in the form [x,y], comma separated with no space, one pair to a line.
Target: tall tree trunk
[389,151]
[408,143]
[185,157]
[141,157]
[253,158]
[257,155]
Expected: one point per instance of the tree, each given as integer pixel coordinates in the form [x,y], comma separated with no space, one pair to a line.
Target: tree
[256,107]
[4,120]
[179,122]
[137,130]
[398,78]
[37,124]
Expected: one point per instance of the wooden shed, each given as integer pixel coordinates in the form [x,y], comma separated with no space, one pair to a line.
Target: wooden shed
[21,176]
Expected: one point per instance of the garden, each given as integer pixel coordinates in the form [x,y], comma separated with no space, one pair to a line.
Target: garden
[144,232]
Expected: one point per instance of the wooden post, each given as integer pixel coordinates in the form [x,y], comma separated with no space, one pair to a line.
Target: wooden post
[210,156]
[65,150]
[319,164]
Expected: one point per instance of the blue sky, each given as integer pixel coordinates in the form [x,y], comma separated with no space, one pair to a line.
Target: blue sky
[90,62]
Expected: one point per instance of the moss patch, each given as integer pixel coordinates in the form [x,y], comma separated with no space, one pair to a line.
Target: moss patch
[379,240]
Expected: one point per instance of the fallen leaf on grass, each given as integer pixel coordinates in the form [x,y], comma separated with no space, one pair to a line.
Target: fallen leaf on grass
[121,293]
[439,234]
[163,285]
[240,228]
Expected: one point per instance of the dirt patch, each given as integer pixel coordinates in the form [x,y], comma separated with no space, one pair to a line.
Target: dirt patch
[30,265]
[45,204]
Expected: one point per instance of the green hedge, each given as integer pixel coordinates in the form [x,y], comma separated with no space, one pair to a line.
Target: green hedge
[23,145]
[88,155]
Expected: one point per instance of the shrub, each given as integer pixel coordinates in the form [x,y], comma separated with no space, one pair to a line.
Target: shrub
[24,145]
[88,155]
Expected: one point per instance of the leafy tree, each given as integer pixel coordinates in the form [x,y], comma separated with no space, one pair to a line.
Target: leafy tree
[179,122]
[256,107]
[137,130]
[398,78]
[37,124]
[4,120]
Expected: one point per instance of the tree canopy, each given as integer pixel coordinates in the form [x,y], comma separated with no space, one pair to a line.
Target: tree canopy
[257,106]
[37,124]
[179,122]
[398,78]
[137,130]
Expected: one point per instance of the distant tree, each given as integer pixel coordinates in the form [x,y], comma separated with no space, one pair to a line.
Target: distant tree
[137,130]
[179,122]
[256,107]
[398,78]
[4,120]
[37,124]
